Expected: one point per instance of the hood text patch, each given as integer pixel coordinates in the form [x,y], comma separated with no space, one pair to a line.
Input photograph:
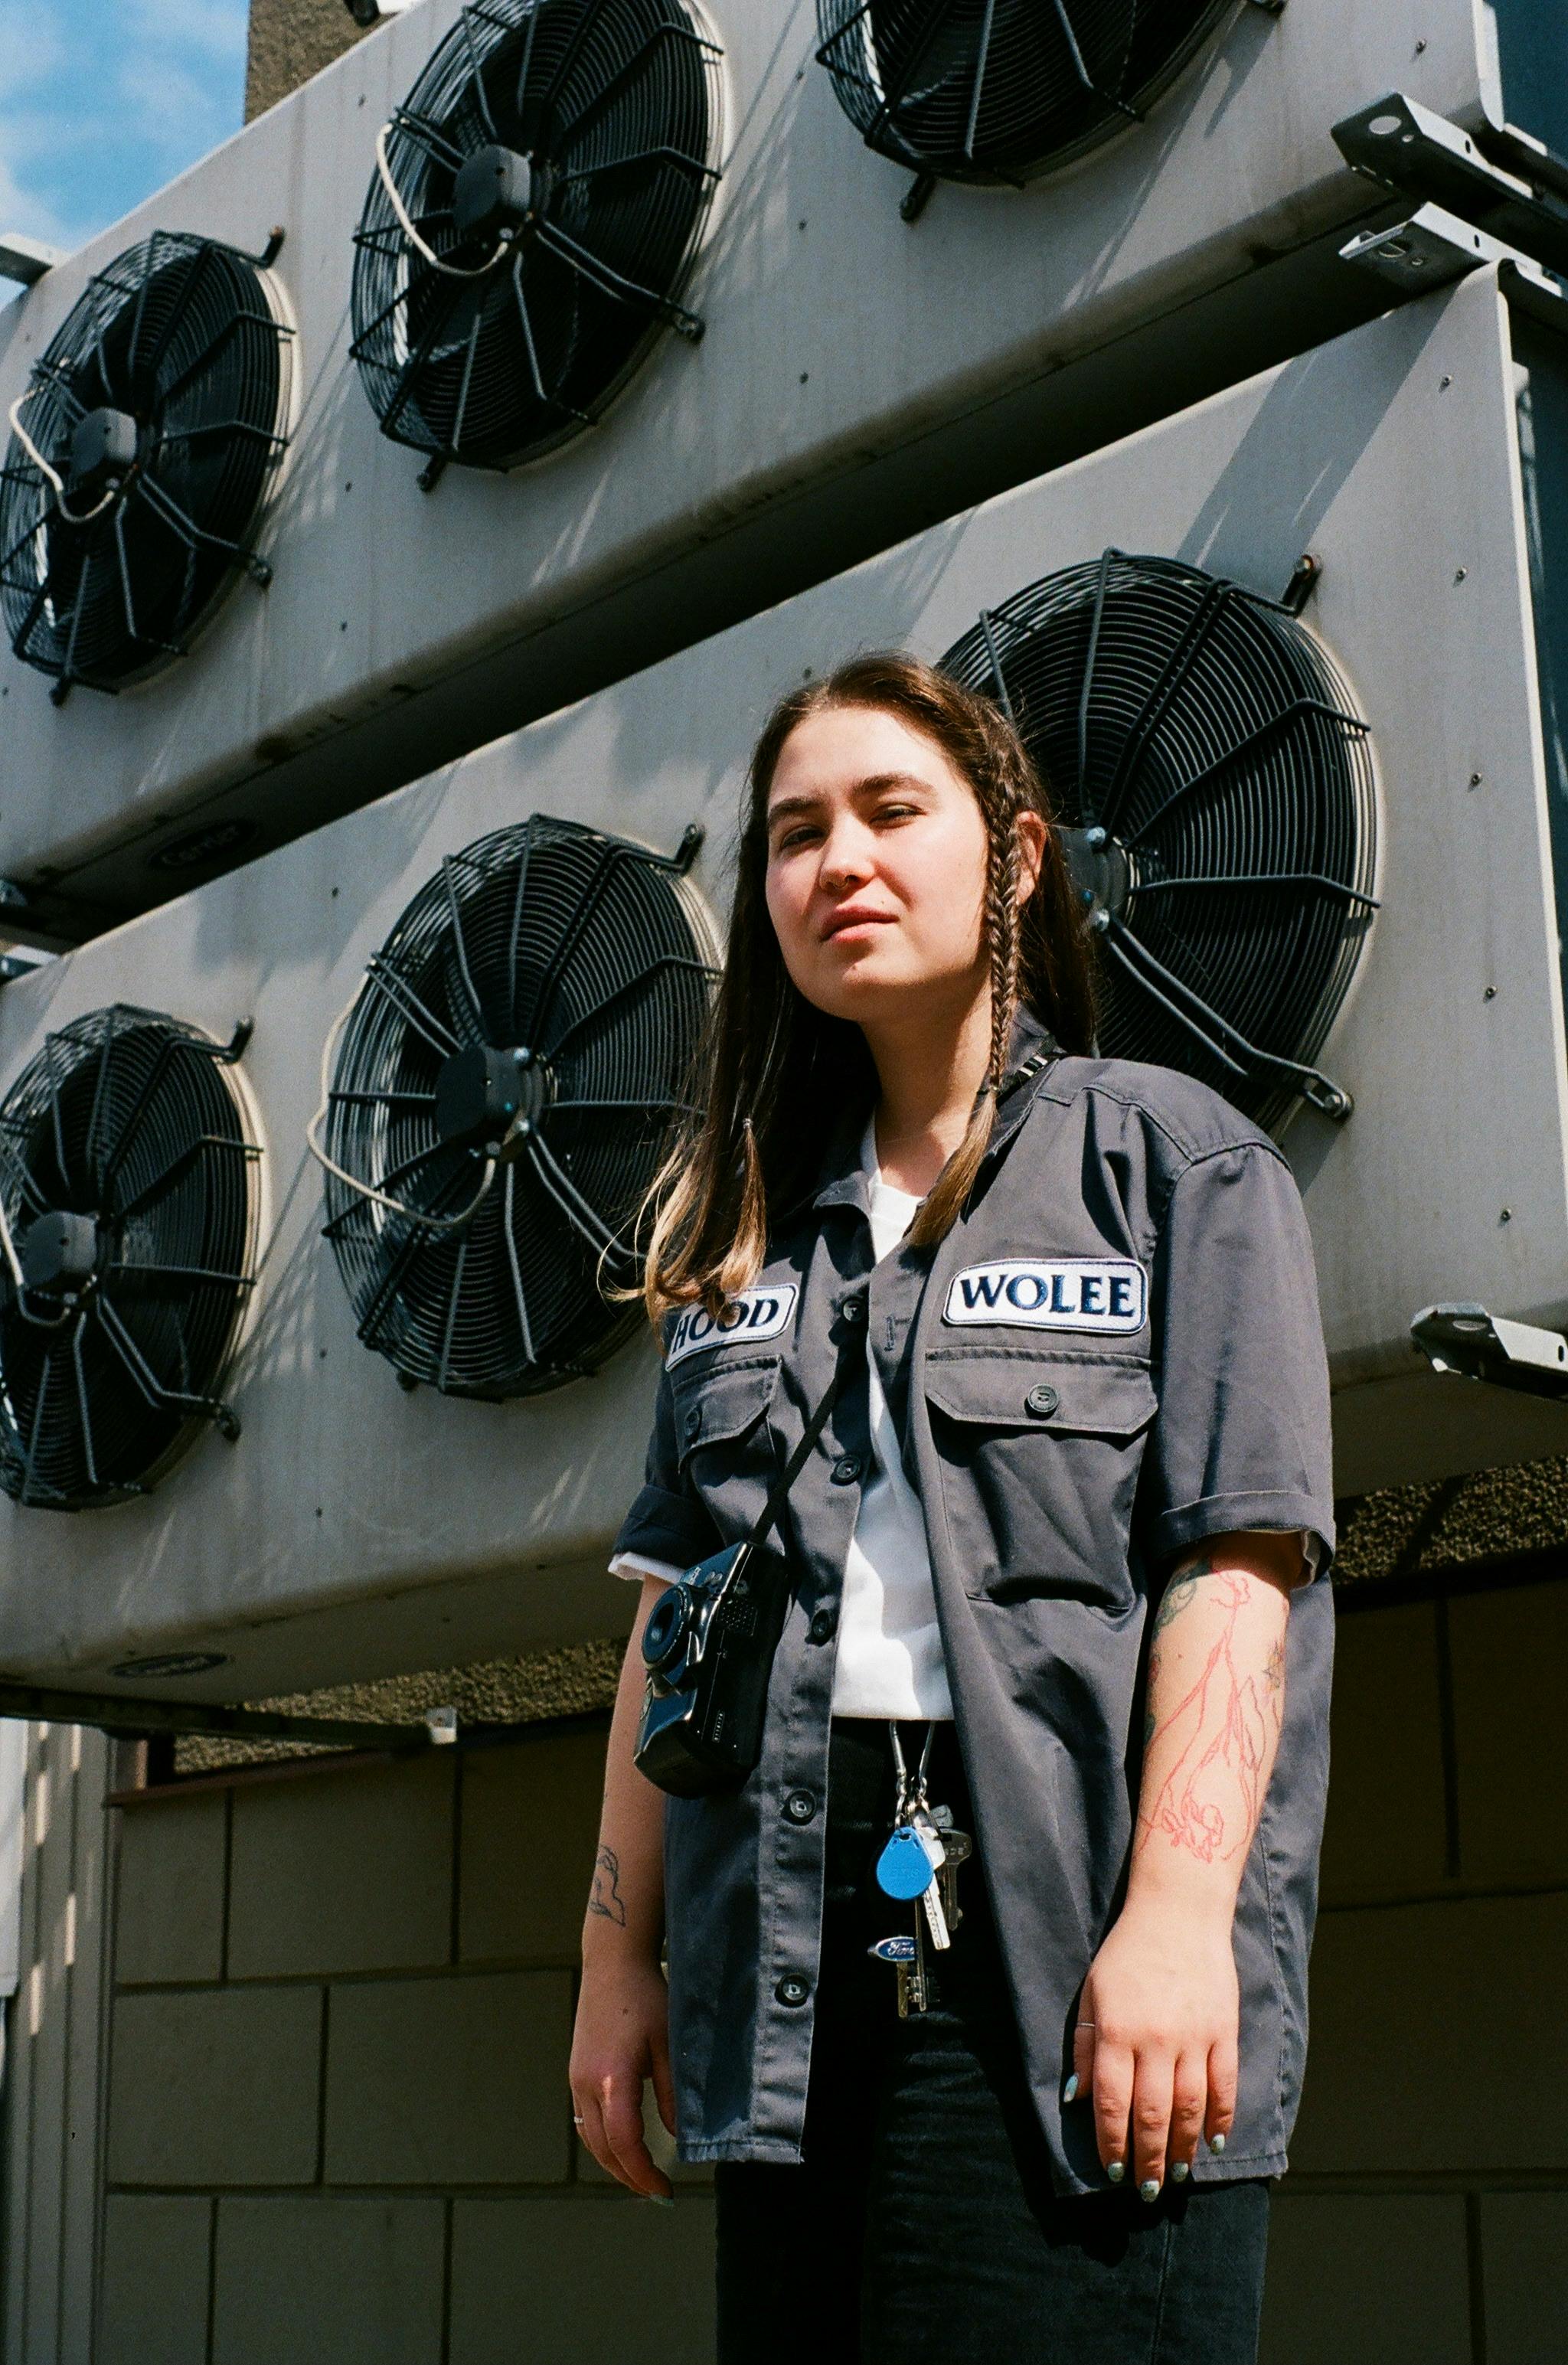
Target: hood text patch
[758,1313]
[1051,1294]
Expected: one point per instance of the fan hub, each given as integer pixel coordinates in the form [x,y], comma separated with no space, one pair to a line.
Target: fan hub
[1098,867]
[103,451]
[482,1096]
[498,194]
[59,1253]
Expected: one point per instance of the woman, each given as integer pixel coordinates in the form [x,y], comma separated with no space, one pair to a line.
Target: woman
[1059,1536]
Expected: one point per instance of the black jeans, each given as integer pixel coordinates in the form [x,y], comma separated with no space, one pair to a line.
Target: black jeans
[920,2227]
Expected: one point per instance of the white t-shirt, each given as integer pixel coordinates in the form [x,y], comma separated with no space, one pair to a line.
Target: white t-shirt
[890,1647]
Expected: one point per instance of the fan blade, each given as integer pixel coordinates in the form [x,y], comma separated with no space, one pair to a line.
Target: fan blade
[1245,747]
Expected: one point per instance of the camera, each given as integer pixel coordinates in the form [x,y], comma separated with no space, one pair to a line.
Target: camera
[708,1647]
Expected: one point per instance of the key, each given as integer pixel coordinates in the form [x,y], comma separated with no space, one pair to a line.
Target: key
[936,1920]
[957,1848]
[917,1989]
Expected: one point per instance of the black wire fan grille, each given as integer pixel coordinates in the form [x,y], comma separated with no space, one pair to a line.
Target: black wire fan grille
[521,1040]
[160,413]
[1217,798]
[130,1222]
[556,161]
[1001,90]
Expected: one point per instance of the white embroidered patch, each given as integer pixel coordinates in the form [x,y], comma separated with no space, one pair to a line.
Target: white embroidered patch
[759,1313]
[1052,1294]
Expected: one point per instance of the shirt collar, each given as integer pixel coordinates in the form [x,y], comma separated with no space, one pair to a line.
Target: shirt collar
[843,1178]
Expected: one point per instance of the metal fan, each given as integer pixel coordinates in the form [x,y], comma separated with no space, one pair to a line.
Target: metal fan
[128,1226]
[1217,793]
[1001,90]
[507,1081]
[141,453]
[537,206]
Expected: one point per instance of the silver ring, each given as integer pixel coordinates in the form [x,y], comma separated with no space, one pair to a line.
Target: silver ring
[576,2121]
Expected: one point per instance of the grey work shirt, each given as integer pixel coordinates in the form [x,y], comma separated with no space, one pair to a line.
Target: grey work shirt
[1113,1355]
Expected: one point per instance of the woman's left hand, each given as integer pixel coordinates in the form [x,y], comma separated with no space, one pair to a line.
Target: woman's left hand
[1155,2047]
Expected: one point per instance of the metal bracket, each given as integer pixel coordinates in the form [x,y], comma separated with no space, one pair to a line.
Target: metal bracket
[42,1704]
[1463,1338]
[27,259]
[1433,249]
[1405,146]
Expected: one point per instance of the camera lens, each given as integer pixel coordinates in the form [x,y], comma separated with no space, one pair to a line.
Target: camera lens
[663,1636]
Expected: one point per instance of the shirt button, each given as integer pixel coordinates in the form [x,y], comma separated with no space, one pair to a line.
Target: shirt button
[693,1420]
[846,1469]
[853,1310]
[823,1625]
[1042,1402]
[801,1806]
[792,1989]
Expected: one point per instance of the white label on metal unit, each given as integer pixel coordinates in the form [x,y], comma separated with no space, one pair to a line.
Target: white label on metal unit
[759,1313]
[1052,1294]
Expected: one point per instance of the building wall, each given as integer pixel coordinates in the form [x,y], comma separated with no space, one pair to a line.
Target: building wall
[336,2128]
[1426,2217]
[289,41]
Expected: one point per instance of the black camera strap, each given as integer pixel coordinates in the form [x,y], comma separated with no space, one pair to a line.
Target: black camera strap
[797,1460]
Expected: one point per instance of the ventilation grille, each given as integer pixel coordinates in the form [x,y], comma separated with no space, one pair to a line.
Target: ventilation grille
[1216,789]
[130,1243]
[1001,90]
[539,200]
[140,461]
[507,1081]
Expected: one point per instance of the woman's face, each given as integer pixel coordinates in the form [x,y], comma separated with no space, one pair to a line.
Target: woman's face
[877,866]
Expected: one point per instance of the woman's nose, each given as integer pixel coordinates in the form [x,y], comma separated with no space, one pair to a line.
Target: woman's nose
[846,857]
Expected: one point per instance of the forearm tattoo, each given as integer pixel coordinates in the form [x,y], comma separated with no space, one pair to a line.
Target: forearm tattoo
[605,1895]
[1214,1745]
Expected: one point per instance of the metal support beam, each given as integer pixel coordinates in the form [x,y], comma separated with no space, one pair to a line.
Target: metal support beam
[1405,146]
[1463,1338]
[25,259]
[40,1704]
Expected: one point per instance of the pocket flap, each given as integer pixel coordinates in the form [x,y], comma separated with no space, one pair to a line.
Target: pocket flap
[1033,1392]
[722,1403]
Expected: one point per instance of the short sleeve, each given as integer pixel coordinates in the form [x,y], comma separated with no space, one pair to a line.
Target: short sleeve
[666,1523]
[1241,1438]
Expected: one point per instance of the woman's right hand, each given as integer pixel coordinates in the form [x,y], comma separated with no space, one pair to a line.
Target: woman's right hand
[620,2040]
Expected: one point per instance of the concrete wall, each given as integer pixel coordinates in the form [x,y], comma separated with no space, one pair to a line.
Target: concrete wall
[1425,2218]
[337,2127]
[289,41]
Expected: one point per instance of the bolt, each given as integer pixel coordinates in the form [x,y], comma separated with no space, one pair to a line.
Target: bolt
[1094,837]
[1419,47]
[1475,779]
[1460,573]
[1445,382]
[805,376]
[1490,995]
[1507,1216]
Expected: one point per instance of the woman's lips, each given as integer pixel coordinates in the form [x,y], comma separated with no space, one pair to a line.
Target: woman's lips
[845,923]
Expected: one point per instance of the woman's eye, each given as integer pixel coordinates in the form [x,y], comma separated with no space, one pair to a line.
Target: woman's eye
[792,838]
[896,812]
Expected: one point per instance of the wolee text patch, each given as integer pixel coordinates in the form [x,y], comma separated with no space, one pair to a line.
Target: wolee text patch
[755,1314]
[1052,1294]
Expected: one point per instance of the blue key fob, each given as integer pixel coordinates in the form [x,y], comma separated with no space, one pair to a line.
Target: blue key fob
[903,1868]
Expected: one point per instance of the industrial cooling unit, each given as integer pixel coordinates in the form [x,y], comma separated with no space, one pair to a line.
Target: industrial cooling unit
[505,226]
[1291,707]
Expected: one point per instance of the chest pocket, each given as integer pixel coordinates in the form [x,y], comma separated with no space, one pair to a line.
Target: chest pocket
[722,1440]
[1039,1457]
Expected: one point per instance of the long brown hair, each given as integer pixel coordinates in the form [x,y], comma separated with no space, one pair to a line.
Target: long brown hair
[775,1071]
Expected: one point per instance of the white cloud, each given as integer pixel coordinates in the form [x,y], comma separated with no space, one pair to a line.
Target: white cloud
[211,28]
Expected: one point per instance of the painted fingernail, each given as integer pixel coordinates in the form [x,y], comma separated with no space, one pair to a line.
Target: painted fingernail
[1216,2145]
[1115,2171]
[660,2199]
[1149,2189]
[1180,2172]
[1069,2091]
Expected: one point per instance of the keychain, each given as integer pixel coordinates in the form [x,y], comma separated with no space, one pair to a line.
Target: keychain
[918,1864]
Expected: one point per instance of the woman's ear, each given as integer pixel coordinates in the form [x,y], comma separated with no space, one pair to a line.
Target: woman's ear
[1032,827]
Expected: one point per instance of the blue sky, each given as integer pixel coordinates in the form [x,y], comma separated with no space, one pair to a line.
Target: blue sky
[102,101]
